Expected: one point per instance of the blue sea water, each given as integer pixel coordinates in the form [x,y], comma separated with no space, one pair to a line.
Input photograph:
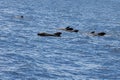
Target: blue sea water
[73,56]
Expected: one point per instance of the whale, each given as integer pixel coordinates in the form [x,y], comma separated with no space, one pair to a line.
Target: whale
[98,34]
[19,17]
[57,34]
[69,29]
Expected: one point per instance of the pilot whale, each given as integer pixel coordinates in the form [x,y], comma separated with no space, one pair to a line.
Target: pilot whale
[57,34]
[69,29]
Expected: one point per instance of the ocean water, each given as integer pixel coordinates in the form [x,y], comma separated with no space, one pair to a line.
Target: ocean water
[73,56]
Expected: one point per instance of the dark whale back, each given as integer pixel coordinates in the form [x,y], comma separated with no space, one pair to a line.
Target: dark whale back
[92,32]
[101,34]
[69,28]
[76,30]
[21,16]
[57,34]
[43,34]
[98,34]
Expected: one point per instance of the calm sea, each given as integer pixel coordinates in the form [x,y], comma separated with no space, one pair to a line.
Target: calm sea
[73,56]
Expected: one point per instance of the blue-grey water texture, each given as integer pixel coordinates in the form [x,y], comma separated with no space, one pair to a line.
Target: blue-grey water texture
[73,56]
